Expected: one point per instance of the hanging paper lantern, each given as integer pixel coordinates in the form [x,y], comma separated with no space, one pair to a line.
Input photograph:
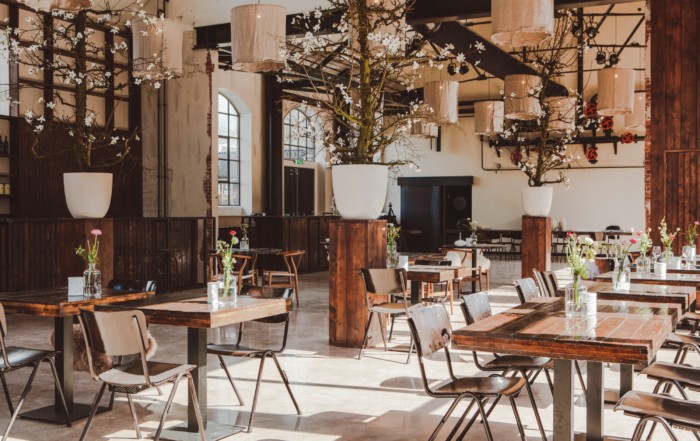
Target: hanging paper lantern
[562,113]
[522,22]
[157,48]
[488,117]
[615,91]
[442,97]
[636,121]
[66,5]
[520,99]
[258,32]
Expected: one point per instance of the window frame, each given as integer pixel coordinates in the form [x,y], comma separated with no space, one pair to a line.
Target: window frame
[232,115]
[306,142]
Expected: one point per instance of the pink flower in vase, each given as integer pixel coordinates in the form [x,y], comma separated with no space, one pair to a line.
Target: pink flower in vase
[633,241]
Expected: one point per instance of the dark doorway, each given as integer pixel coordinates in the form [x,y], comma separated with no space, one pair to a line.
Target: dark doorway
[299,191]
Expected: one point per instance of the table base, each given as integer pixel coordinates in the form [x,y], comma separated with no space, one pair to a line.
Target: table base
[52,415]
[215,432]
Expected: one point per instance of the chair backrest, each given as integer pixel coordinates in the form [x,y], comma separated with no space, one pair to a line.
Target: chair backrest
[242,261]
[475,307]
[263,292]
[454,257]
[526,288]
[132,285]
[384,281]
[539,281]
[430,327]
[292,259]
[115,333]
[3,322]
[551,280]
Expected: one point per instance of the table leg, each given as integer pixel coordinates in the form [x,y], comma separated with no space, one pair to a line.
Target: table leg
[563,400]
[626,378]
[594,401]
[474,251]
[415,292]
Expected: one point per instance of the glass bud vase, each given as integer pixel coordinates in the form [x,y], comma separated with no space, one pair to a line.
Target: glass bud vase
[576,298]
[92,281]
[392,256]
[621,278]
[643,265]
[473,238]
[244,244]
[228,289]
[690,254]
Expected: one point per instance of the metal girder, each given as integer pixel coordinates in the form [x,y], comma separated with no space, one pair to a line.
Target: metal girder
[439,11]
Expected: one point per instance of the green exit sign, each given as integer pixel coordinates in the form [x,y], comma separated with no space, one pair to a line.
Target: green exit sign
[300,161]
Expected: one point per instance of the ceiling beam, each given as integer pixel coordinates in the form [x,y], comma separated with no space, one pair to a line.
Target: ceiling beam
[439,11]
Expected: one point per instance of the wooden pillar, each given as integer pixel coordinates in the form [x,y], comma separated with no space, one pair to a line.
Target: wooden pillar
[354,244]
[537,244]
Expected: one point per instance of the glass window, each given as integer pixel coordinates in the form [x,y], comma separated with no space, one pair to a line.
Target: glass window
[300,134]
[229,159]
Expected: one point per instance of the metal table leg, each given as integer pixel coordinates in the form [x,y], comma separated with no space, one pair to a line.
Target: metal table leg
[415,292]
[594,401]
[563,400]
[612,396]
[474,252]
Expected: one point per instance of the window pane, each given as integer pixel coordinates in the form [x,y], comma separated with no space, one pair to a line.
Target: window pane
[233,148]
[223,194]
[223,170]
[223,146]
[234,194]
[223,124]
[233,123]
[310,154]
[233,170]
[223,104]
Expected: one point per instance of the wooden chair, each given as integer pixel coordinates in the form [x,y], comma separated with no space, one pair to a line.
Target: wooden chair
[13,358]
[476,273]
[546,282]
[290,278]
[442,294]
[527,290]
[216,268]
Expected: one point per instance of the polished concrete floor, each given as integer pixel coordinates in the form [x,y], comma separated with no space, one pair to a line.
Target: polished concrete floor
[376,398]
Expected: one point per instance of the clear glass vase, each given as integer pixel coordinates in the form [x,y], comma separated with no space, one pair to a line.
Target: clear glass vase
[576,298]
[92,281]
[621,278]
[690,252]
[473,238]
[228,289]
[643,265]
[244,244]
[392,256]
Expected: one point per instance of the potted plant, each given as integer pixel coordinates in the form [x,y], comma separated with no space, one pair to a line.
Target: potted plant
[82,67]
[379,58]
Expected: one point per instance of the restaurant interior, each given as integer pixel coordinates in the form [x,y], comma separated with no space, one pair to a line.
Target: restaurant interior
[349,220]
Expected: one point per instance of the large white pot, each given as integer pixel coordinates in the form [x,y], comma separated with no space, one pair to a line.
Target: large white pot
[537,201]
[360,190]
[88,194]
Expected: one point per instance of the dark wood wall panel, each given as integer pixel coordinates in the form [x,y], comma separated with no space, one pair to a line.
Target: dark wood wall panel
[672,155]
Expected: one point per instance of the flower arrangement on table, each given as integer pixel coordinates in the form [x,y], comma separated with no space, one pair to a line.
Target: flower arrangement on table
[244,231]
[578,253]
[620,252]
[392,233]
[691,233]
[645,242]
[225,250]
[92,278]
[667,240]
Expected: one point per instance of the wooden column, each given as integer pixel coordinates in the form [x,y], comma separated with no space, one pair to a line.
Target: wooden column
[354,244]
[537,244]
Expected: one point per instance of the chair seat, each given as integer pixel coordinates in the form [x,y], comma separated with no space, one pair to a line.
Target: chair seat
[505,361]
[675,411]
[131,374]
[392,308]
[482,385]
[679,339]
[233,350]
[24,356]
[687,376]
[692,316]
[278,274]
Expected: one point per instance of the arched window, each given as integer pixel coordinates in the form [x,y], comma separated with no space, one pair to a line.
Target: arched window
[300,132]
[229,153]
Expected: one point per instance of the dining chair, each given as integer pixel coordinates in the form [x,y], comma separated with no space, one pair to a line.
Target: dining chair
[132,285]
[238,351]
[241,269]
[289,278]
[14,358]
[442,295]
[431,332]
[526,289]
[659,409]
[124,333]
[380,284]
[546,285]
[476,307]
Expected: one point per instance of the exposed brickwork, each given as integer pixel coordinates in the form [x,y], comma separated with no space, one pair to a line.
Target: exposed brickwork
[207,175]
[649,132]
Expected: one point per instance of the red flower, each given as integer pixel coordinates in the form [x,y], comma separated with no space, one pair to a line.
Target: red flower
[232,232]
[568,234]
[639,233]
[633,241]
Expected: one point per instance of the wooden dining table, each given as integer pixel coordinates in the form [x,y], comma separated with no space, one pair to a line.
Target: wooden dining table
[418,274]
[474,251]
[672,279]
[685,296]
[629,333]
[58,304]
[192,311]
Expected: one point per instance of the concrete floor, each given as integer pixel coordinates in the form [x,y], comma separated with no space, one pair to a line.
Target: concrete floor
[376,398]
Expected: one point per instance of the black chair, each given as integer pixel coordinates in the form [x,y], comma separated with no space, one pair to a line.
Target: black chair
[660,409]
[132,285]
[430,328]
[237,350]
[13,358]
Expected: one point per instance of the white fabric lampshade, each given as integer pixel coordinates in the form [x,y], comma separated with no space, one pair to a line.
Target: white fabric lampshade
[562,113]
[522,22]
[488,117]
[520,99]
[258,32]
[48,5]
[424,129]
[157,48]
[615,91]
[636,121]
[442,97]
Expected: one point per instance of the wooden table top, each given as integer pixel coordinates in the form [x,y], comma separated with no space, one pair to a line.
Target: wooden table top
[621,332]
[668,279]
[257,251]
[435,273]
[638,292]
[56,303]
[192,310]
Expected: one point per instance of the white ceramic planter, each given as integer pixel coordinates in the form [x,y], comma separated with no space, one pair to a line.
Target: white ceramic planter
[360,190]
[537,201]
[88,195]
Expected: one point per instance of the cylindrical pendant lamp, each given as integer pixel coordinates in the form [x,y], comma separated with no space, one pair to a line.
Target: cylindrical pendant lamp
[521,97]
[442,97]
[522,22]
[258,32]
[488,117]
[636,121]
[562,113]
[66,5]
[157,48]
[615,91]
